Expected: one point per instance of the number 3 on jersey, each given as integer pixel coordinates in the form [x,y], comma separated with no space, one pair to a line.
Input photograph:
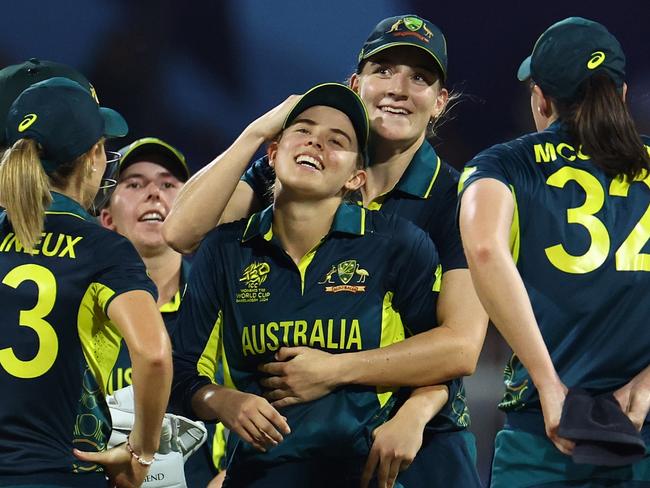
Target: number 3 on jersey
[48,342]
[628,256]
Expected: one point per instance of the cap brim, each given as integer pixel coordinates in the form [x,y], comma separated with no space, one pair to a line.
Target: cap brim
[390,45]
[341,98]
[523,73]
[114,123]
[174,160]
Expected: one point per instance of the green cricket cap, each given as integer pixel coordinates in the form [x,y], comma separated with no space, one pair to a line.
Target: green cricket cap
[569,52]
[17,78]
[408,30]
[340,97]
[63,118]
[156,151]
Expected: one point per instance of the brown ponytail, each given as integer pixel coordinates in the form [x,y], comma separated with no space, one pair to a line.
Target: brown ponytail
[25,191]
[600,122]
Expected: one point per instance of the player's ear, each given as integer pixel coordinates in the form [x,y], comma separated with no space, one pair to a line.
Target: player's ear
[354,83]
[356,181]
[106,219]
[271,152]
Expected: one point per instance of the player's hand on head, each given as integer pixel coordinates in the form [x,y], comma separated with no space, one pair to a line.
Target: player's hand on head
[253,419]
[270,124]
[299,374]
[634,398]
[394,447]
[552,399]
[122,469]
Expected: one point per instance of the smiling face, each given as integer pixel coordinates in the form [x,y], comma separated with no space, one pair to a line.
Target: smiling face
[140,203]
[317,155]
[402,92]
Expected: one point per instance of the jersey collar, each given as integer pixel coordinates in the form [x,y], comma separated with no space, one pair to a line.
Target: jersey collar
[421,173]
[349,219]
[175,302]
[63,205]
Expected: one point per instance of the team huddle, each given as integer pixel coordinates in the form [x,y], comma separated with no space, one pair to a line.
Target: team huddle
[340,287]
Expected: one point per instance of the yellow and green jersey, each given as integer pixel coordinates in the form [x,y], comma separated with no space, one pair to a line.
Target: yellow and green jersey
[204,464]
[57,346]
[580,240]
[370,281]
[426,194]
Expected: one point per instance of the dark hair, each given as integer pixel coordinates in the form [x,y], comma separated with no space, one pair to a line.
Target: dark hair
[598,120]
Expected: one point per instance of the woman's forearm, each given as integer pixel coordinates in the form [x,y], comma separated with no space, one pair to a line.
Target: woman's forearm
[485,219]
[202,200]
[136,315]
[448,351]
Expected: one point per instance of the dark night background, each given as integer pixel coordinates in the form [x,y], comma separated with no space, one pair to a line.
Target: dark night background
[195,73]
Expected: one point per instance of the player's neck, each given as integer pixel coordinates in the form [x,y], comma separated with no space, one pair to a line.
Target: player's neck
[165,271]
[299,226]
[387,165]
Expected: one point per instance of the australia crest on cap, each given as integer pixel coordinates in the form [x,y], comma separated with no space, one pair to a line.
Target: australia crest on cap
[413,25]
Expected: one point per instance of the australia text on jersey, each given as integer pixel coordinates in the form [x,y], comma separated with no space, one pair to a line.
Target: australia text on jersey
[323,333]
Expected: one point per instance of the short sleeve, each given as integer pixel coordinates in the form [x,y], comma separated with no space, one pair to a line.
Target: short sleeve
[260,176]
[487,164]
[196,342]
[120,270]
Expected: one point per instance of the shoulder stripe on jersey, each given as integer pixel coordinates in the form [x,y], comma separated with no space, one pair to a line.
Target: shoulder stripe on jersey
[208,362]
[100,339]
[515,234]
[392,331]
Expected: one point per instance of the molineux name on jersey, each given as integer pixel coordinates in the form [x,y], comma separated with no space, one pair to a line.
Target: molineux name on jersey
[548,152]
[334,334]
[50,245]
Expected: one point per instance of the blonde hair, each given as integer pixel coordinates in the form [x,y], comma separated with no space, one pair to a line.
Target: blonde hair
[25,191]
[25,187]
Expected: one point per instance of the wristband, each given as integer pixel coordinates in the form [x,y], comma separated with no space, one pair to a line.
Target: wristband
[137,457]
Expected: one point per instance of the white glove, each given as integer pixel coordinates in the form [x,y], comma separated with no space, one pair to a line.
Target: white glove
[179,439]
[166,472]
[186,435]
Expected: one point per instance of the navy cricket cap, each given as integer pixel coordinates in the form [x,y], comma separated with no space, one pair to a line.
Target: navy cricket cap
[603,434]
[156,151]
[17,78]
[63,118]
[408,30]
[340,97]
[569,52]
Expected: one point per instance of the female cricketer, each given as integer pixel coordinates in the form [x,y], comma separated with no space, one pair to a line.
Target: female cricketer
[69,290]
[555,226]
[309,270]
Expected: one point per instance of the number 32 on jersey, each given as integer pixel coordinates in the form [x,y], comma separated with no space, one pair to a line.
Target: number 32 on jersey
[628,256]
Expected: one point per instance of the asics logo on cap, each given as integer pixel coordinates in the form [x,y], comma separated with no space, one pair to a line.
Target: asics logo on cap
[27,121]
[596,59]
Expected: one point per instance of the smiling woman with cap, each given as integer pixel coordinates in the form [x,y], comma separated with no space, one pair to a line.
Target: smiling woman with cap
[401,75]
[151,173]
[69,290]
[310,270]
[556,226]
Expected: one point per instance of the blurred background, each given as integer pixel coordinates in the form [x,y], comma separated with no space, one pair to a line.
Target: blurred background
[195,73]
